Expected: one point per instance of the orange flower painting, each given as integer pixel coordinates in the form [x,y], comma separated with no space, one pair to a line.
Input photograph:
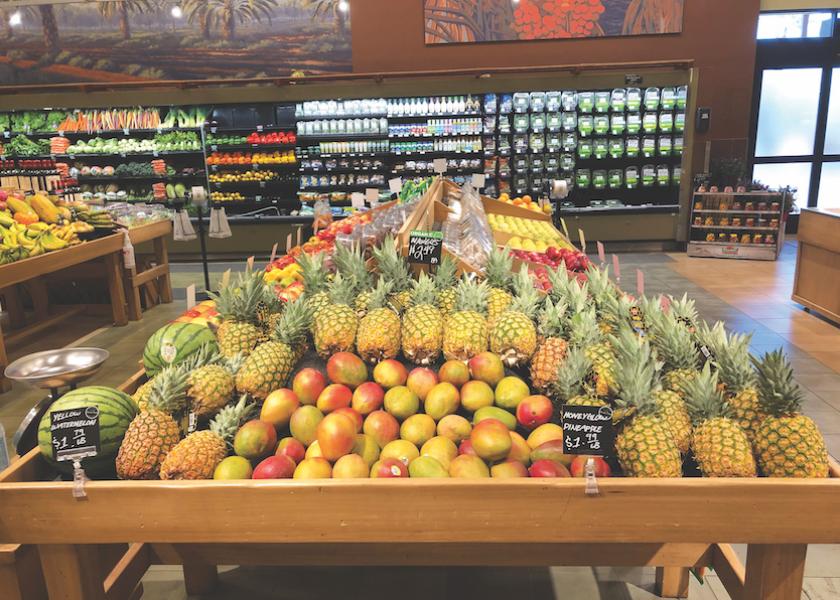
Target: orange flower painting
[465,21]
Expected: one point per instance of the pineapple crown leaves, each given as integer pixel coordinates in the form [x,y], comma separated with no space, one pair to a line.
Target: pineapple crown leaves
[527,298]
[227,422]
[584,329]
[293,324]
[314,272]
[379,294]
[391,265]
[445,275]
[425,291]
[684,310]
[207,354]
[733,363]
[778,392]
[560,283]
[350,262]
[674,344]
[551,320]
[471,296]
[342,290]
[233,363]
[239,301]
[651,308]
[571,375]
[168,392]
[600,284]
[713,338]
[576,296]
[703,398]
[636,375]
[498,268]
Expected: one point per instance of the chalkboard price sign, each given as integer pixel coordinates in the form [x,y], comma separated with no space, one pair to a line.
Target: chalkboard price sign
[75,433]
[588,430]
[425,247]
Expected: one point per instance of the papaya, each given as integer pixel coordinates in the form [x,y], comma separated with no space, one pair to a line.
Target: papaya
[19,206]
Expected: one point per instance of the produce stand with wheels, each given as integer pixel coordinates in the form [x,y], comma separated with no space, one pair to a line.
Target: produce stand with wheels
[31,271]
[153,281]
[672,524]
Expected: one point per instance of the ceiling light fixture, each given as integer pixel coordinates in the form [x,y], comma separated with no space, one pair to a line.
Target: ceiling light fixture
[16,19]
[343,6]
[177,12]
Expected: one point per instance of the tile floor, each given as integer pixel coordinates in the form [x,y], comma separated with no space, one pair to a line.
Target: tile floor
[749,296]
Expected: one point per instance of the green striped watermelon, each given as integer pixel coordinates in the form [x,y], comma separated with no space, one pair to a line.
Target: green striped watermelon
[116,411]
[173,343]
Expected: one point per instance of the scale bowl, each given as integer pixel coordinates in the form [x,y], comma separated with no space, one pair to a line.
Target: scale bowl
[57,368]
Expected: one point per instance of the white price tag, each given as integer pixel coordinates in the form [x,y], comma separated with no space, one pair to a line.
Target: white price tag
[372,197]
[273,253]
[439,165]
[478,180]
[288,243]
[395,185]
[601,253]
[250,263]
[190,296]
[357,200]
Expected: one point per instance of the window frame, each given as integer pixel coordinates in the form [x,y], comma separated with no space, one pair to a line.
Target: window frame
[802,53]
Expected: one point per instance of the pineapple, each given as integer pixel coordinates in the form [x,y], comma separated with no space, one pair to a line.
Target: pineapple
[732,359]
[350,262]
[268,367]
[788,444]
[465,330]
[552,347]
[335,325]
[422,324]
[498,277]
[238,303]
[394,269]
[645,446]
[198,454]
[154,432]
[446,283]
[720,446]
[561,284]
[570,382]
[606,297]
[315,281]
[378,334]
[685,312]
[674,412]
[141,394]
[211,386]
[513,335]
[675,347]
[586,334]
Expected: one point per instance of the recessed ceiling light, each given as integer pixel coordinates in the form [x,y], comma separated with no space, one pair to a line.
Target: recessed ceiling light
[177,12]
[16,19]
[343,6]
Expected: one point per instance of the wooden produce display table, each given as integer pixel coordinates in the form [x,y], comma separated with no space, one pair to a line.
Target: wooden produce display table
[671,524]
[31,271]
[817,282]
[153,282]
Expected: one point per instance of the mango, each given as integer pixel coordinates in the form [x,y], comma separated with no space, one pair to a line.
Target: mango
[441,448]
[494,412]
[467,466]
[304,422]
[426,466]
[442,400]
[454,427]
[418,429]
[510,391]
[401,450]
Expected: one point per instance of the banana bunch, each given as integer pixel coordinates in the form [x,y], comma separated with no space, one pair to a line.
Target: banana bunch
[33,239]
[100,219]
[70,232]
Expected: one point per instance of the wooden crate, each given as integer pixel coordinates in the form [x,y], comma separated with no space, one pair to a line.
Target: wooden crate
[671,524]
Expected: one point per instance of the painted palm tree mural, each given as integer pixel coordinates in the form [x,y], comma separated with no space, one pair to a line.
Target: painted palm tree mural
[465,21]
[135,40]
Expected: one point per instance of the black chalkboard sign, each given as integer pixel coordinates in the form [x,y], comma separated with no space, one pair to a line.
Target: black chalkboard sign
[425,247]
[588,430]
[75,433]
[632,79]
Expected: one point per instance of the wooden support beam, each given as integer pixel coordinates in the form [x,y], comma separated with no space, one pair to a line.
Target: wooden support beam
[774,572]
[72,572]
[125,577]
[200,578]
[672,582]
[729,570]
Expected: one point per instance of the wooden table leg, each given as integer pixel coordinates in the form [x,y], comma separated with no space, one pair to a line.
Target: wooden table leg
[132,292]
[5,384]
[113,270]
[672,582]
[774,571]
[40,298]
[162,258]
[72,572]
[200,578]
[14,307]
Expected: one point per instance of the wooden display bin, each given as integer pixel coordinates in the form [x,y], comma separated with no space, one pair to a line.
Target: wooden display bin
[670,524]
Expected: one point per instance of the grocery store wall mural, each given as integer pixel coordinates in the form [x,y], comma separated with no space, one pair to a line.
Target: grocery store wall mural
[135,40]
[467,21]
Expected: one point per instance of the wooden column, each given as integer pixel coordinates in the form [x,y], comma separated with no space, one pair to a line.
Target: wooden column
[72,572]
[162,258]
[774,571]
[672,582]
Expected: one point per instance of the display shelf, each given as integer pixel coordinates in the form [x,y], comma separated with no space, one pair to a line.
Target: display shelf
[100,132]
[254,129]
[340,171]
[739,212]
[114,179]
[434,116]
[629,209]
[305,154]
[117,155]
[235,147]
[732,244]
[254,166]
[437,153]
[734,227]
[434,135]
[342,187]
[341,116]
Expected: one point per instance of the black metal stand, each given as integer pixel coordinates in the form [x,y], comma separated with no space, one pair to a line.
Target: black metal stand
[203,244]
